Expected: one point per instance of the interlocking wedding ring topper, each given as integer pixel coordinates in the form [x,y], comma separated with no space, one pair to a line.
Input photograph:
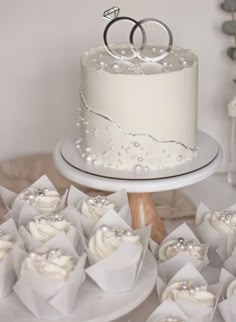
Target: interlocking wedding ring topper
[112,14]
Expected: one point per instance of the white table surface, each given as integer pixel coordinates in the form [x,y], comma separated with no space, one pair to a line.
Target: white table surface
[217,194]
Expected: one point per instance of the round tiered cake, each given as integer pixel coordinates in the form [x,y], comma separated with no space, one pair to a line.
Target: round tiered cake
[138,115]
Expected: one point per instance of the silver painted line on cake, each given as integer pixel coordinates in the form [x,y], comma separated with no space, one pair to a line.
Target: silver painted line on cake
[128,133]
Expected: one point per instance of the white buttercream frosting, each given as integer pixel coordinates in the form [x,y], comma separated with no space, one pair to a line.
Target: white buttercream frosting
[107,239]
[189,290]
[44,227]
[6,244]
[44,200]
[52,263]
[95,207]
[224,222]
[174,247]
[231,289]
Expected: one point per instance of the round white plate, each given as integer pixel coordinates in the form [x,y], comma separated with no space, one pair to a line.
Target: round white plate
[69,162]
[93,304]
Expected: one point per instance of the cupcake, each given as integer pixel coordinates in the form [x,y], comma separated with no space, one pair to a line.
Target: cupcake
[108,239]
[36,229]
[180,247]
[215,227]
[92,208]
[41,196]
[190,291]
[48,277]
[116,253]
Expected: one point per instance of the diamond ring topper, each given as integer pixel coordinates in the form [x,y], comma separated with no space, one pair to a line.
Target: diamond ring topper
[112,15]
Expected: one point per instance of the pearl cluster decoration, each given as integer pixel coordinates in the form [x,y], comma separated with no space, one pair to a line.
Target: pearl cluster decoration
[98,201]
[188,287]
[50,218]
[183,245]
[118,233]
[227,217]
[29,195]
[47,256]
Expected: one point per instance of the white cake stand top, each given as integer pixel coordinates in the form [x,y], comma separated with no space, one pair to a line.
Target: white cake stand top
[70,164]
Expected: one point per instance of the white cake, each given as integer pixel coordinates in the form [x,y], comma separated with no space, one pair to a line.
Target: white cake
[137,115]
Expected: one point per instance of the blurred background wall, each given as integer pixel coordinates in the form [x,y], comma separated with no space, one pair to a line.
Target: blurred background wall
[40,46]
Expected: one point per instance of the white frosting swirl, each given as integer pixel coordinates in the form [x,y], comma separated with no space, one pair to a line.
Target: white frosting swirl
[189,290]
[231,289]
[95,207]
[53,264]
[44,200]
[174,247]
[6,244]
[224,222]
[44,227]
[107,239]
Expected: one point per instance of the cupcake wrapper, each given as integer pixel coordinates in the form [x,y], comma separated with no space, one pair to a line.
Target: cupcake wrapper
[74,233]
[227,248]
[168,309]
[189,272]
[7,272]
[119,271]
[44,297]
[120,199]
[171,266]
[227,305]
[9,196]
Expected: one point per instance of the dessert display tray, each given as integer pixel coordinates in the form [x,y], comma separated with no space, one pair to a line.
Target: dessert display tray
[71,164]
[93,304]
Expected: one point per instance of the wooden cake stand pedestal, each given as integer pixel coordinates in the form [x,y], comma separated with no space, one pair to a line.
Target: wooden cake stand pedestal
[70,164]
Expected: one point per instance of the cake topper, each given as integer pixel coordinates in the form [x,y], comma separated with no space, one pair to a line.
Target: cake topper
[112,15]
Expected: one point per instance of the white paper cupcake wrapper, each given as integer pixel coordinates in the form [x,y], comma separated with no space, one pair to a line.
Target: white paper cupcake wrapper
[69,213]
[227,248]
[119,271]
[170,267]
[168,309]
[9,196]
[194,310]
[7,272]
[119,198]
[44,297]
[227,305]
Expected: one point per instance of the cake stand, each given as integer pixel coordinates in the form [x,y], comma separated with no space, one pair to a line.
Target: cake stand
[70,163]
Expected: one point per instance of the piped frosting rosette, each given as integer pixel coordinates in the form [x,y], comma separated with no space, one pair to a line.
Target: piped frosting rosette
[92,208]
[190,291]
[228,299]
[116,253]
[9,239]
[168,311]
[214,227]
[36,228]
[180,247]
[49,278]
[41,195]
